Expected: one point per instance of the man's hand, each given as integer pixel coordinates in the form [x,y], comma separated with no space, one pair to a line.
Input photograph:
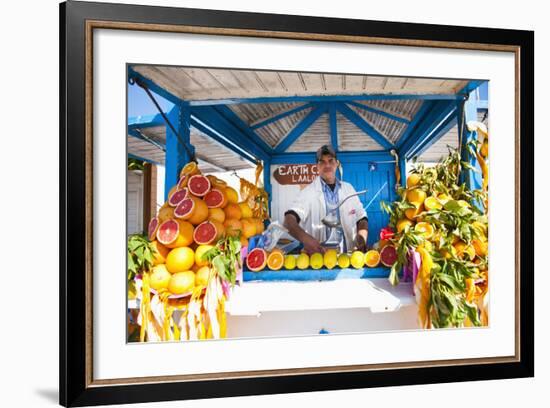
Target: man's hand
[359,243]
[311,245]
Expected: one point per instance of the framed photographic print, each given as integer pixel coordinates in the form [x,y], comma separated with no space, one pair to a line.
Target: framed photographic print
[256,203]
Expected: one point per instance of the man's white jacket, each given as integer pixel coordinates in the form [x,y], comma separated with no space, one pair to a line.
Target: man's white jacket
[311,208]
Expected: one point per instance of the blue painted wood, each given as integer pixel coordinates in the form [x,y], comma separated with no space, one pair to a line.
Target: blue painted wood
[403,170]
[437,133]
[281,116]
[176,154]
[155,88]
[233,118]
[322,274]
[468,112]
[420,115]
[300,128]
[333,126]
[218,137]
[214,120]
[323,98]
[358,174]
[358,121]
[380,112]
[438,114]
[137,135]
[361,156]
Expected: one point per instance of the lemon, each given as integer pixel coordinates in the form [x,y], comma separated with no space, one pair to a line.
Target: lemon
[303,261]
[343,260]
[357,259]
[404,224]
[330,258]
[316,260]
[199,252]
[180,259]
[413,180]
[290,262]
[160,277]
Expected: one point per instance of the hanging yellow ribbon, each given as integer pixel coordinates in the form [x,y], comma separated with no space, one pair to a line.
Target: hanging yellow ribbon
[423,285]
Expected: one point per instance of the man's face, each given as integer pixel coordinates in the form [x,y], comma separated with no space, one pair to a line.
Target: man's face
[327,166]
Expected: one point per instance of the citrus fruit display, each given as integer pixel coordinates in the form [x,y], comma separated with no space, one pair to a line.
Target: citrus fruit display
[203,274]
[160,252]
[316,260]
[168,232]
[233,210]
[388,255]
[198,185]
[192,209]
[246,211]
[302,262]
[215,198]
[357,259]
[152,228]
[160,277]
[208,232]
[290,262]
[233,226]
[256,260]
[275,260]
[181,282]
[248,227]
[330,258]
[199,252]
[232,195]
[216,214]
[343,260]
[177,196]
[440,237]
[180,259]
[372,258]
[189,170]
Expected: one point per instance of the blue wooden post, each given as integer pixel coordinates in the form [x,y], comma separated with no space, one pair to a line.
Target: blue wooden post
[467,111]
[267,182]
[176,154]
[403,169]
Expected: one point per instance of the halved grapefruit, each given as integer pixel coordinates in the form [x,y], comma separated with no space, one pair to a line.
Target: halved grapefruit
[208,232]
[215,198]
[198,185]
[192,209]
[256,260]
[168,232]
[177,197]
[388,255]
[152,229]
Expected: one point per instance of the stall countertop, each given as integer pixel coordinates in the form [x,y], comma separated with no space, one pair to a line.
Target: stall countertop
[377,294]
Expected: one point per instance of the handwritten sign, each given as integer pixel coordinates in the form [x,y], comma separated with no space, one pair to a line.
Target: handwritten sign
[296,173]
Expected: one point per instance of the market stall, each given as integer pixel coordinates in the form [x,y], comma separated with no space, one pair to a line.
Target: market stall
[239,272]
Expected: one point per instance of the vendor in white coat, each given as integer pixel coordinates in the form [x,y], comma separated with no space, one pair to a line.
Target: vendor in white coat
[303,219]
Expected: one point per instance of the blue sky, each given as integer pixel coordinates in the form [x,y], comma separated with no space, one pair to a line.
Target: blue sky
[139,104]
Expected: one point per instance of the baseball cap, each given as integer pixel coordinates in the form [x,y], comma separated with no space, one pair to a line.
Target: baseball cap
[325,149]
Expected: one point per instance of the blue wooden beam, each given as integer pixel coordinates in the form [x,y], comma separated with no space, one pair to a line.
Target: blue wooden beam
[467,111]
[402,163]
[436,133]
[333,123]
[220,138]
[212,118]
[361,156]
[154,87]
[440,112]
[380,112]
[280,116]
[419,116]
[232,117]
[362,124]
[300,128]
[324,98]
[176,154]
[136,133]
